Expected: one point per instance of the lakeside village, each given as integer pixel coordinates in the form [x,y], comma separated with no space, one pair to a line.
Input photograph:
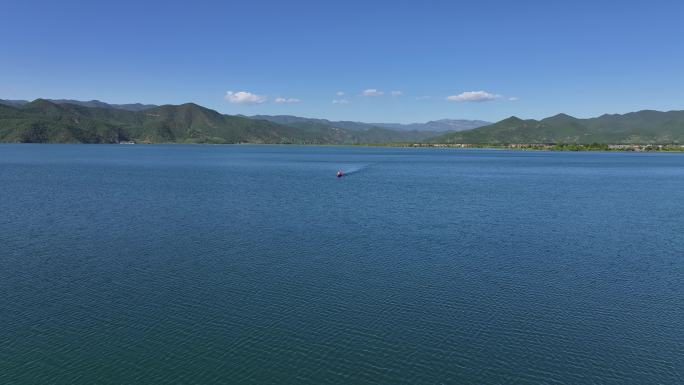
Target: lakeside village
[563,146]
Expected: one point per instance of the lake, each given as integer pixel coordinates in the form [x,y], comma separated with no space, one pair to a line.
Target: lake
[161,264]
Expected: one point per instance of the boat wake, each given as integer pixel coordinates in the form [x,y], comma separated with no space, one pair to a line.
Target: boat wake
[352,169]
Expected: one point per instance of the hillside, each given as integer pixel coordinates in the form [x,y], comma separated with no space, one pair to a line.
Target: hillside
[352,132]
[435,126]
[331,133]
[441,125]
[48,121]
[641,127]
[45,121]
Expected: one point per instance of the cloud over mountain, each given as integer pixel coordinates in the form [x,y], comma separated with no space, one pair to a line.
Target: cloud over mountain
[473,96]
[244,97]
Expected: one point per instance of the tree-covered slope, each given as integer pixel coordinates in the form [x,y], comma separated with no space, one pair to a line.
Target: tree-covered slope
[349,132]
[434,126]
[45,121]
[637,127]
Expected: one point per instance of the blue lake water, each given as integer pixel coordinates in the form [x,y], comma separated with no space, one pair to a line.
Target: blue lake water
[256,265]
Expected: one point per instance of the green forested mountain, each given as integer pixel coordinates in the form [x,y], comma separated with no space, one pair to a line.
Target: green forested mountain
[47,122]
[435,126]
[641,127]
[349,132]
[44,121]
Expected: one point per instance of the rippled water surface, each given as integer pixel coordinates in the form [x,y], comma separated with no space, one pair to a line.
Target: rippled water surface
[256,265]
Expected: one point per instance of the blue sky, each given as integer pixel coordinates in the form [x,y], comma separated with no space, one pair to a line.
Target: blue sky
[444,59]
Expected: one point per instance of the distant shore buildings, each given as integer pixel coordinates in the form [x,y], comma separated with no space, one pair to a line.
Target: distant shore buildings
[561,146]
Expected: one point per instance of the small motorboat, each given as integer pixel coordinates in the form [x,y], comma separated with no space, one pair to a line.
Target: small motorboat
[340,174]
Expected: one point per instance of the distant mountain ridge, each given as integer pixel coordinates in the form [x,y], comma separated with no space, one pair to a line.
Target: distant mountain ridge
[435,125]
[90,103]
[14,103]
[438,125]
[295,120]
[642,127]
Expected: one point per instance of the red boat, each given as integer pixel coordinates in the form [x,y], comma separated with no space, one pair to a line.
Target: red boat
[340,174]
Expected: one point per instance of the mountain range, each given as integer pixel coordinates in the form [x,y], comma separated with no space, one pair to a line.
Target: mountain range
[69,121]
[441,125]
[46,121]
[642,127]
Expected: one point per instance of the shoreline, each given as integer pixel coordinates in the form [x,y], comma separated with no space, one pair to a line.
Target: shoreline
[562,147]
[671,148]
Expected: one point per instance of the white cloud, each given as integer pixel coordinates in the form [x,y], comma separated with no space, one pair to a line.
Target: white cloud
[396,93]
[425,97]
[244,97]
[514,99]
[372,92]
[473,96]
[340,101]
[287,100]
[340,93]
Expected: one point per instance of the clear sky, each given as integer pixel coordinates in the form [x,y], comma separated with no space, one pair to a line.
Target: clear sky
[443,59]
